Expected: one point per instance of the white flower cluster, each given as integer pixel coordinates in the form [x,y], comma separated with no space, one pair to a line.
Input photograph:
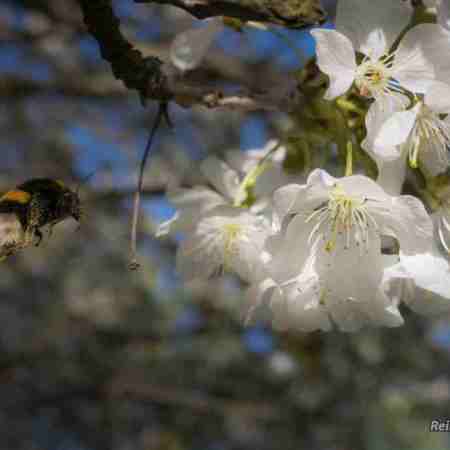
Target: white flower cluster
[405,75]
[347,251]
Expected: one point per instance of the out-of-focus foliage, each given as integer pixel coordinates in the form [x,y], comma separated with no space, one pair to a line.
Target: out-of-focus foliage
[95,357]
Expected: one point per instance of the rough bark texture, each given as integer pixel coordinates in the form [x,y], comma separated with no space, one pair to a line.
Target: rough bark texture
[127,63]
[289,13]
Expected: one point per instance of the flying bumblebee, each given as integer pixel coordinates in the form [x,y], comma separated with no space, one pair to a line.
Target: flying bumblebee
[32,205]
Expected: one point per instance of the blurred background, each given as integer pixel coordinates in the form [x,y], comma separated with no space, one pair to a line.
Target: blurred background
[93,356]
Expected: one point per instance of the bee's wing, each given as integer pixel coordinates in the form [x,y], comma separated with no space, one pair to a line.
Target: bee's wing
[11,234]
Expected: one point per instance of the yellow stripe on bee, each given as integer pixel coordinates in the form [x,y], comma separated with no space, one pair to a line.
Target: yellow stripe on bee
[16,196]
[60,183]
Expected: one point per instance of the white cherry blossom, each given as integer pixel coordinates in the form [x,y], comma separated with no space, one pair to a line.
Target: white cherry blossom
[326,262]
[425,135]
[218,234]
[383,73]
[224,239]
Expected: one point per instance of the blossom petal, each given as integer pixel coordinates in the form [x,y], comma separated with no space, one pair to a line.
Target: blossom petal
[256,299]
[221,176]
[300,307]
[431,276]
[396,130]
[297,302]
[225,238]
[442,224]
[380,111]
[275,177]
[285,198]
[432,160]
[434,157]
[419,54]
[191,204]
[305,197]
[372,26]
[364,187]
[392,173]
[168,227]
[335,58]
[407,220]
[290,249]
[443,14]
[193,262]
[352,281]
[190,47]
[437,97]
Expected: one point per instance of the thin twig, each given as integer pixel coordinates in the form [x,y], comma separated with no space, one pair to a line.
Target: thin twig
[162,113]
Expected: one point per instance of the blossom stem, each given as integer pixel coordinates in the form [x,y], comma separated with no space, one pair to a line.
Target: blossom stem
[349,159]
[348,106]
[250,179]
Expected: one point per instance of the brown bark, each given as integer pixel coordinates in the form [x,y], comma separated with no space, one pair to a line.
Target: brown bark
[289,13]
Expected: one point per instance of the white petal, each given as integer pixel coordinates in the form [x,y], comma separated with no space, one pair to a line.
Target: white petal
[291,249]
[191,204]
[197,198]
[243,161]
[385,312]
[434,157]
[192,261]
[221,176]
[322,178]
[352,279]
[420,52]
[189,47]
[437,97]
[311,195]
[407,220]
[442,225]
[335,58]
[429,161]
[443,14]
[225,238]
[296,304]
[303,310]
[273,178]
[392,173]
[256,298]
[168,227]
[431,275]
[372,26]
[364,187]
[285,198]
[379,111]
[395,130]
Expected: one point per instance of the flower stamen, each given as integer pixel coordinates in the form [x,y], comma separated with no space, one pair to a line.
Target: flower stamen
[429,133]
[345,215]
[229,235]
[375,77]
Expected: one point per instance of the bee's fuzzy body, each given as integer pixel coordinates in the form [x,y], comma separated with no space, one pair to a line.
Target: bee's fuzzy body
[37,203]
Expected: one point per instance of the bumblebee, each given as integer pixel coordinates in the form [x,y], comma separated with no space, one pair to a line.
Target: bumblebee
[37,203]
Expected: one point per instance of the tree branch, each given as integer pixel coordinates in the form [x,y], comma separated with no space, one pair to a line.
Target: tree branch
[127,63]
[160,81]
[289,13]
